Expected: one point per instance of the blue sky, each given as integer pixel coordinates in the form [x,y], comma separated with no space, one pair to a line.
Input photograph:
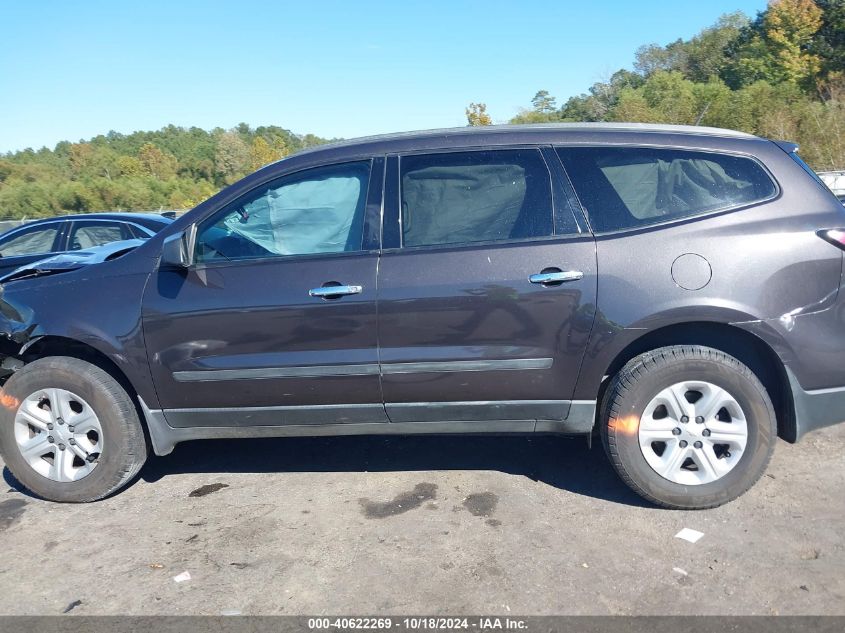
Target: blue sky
[72,70]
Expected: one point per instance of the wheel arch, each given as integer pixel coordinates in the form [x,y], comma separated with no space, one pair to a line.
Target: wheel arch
[741,344]
[52,345]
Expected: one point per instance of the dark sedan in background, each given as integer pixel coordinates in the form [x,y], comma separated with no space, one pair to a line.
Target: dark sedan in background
[36,240]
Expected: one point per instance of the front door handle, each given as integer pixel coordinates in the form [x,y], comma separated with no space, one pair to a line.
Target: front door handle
[330,292]
[556,276]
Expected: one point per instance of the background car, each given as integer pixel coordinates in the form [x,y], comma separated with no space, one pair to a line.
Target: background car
[36,240]
[835,180]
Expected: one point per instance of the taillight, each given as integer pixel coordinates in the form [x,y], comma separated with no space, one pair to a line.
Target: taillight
[834,236]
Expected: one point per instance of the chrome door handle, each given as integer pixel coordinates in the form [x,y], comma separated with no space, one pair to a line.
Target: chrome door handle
[335,291]
[556,277]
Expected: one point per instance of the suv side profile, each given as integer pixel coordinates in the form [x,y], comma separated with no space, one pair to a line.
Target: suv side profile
[676,289]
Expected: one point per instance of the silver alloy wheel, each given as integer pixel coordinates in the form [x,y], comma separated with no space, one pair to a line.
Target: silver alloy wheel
[58,434]
[693,433]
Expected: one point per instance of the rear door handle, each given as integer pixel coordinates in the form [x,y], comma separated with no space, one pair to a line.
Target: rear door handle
[556,277]
[335,291]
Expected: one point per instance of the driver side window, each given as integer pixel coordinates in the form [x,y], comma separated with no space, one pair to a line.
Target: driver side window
[318,210]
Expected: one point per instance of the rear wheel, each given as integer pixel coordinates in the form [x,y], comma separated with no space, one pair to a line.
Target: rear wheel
[688,427]
[69,431]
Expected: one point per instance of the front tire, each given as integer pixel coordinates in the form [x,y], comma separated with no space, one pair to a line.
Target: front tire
[688,427]
[68,431]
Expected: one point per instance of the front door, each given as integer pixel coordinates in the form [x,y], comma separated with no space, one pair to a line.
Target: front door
[487,296]
[276,322]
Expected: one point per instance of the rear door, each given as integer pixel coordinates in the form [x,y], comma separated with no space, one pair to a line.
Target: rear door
[487,288]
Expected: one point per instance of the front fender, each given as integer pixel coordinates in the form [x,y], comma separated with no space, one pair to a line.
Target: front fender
[100,312]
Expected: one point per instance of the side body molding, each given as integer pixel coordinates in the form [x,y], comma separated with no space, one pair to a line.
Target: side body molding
[579,419]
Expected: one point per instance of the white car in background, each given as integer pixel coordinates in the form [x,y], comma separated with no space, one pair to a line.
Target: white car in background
[836,181]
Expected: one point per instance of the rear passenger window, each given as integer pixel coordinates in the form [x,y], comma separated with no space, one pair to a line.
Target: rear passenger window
[623,187]
[464,197]
[92,234]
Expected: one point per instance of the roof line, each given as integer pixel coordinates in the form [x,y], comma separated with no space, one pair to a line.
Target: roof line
[692,130]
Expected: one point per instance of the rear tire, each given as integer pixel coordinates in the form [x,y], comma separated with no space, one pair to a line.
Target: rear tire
[68,431]
[688,427]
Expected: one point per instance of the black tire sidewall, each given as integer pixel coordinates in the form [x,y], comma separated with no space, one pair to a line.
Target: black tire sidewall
[728,374]
[103,394]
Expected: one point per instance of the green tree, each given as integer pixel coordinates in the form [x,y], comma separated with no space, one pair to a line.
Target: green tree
[790,26]
[129,166]
[543,102]
[156,163]
[829,42]
[671,96]
[633,107]
[652,58]
[777,47]
[601,98]
[707,53]
[232,157]
[543,110]
[476,114]
[713,103]
[261,152]
[173,167]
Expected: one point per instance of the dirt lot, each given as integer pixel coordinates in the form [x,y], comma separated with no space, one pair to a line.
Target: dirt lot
[445,525]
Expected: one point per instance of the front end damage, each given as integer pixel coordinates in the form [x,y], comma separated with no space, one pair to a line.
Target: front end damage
[17,335]
[18,327]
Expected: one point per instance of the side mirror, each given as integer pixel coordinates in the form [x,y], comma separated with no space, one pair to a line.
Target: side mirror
[177,251]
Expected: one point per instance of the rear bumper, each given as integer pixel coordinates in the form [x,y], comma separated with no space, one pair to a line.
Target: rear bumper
[815,409]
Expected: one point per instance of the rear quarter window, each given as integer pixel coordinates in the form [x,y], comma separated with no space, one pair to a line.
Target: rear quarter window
[628,187]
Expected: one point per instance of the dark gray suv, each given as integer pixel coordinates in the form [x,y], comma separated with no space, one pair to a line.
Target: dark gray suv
[676,289]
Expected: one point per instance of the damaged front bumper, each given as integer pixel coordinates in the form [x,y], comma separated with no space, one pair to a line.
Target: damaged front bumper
[17,334]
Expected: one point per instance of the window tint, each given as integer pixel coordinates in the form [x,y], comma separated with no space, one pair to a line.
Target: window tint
[139,233]
[624,187]
[91,234]
[315,211]
[33,241]
[463,197]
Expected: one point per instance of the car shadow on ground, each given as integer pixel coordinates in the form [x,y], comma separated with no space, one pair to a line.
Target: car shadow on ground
[562,462]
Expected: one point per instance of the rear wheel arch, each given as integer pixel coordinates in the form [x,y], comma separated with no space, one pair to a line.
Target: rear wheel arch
[749,349]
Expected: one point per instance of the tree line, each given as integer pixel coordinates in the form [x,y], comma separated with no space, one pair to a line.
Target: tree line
[172,168]
[780,75]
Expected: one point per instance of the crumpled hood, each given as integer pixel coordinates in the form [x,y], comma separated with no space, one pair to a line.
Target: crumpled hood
[72,260]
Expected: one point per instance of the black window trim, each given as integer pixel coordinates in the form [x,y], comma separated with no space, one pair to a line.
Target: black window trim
[392,218]
[564,200]
[672,221]
[372,215]
[115,221]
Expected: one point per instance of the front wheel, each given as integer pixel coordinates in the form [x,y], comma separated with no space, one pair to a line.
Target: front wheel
[69,431]
[688,427]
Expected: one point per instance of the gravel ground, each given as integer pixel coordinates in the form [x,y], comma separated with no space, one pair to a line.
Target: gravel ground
[425,525]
